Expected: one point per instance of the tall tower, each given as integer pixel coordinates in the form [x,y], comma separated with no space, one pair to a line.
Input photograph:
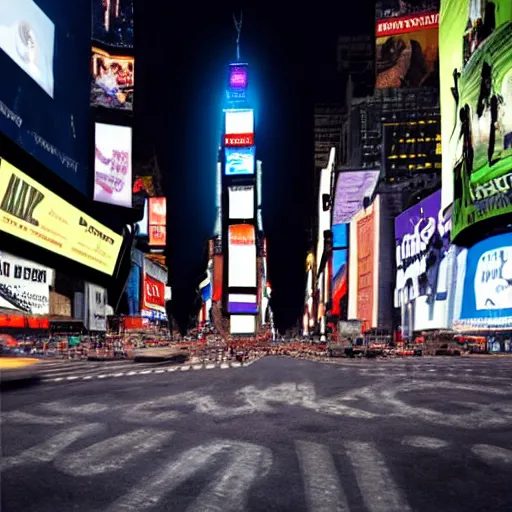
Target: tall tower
[240,292]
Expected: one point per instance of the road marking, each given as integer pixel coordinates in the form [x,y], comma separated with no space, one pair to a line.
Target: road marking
[87,377]
[120,374]
[492,454]
[72,377]
[112,453]
[321,482]
[144,372]
[131,373]
[224,366]
[235,364]
[159,371]
[185,368]
[375,482]
[172,369]
[198,367]
[26,418]
[104,376]
[424,442]
[210,366]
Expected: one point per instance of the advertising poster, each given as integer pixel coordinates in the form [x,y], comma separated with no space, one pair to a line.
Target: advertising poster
[24,285]
[486,298]
[113,80]
[476,103]
[339,236]
[239,121]
[44,50]
[113,164]
[242,256]
[242,324]
[112,22]
[242,303]
[407,53]
[236,90]
[365,269]
[154,294]
[157,211]
[351,189]
[35,214]
[239,161]
[133,290]
[95,307]
[241,202]
[339,278]
[218,276]
[157,236]
[422,240]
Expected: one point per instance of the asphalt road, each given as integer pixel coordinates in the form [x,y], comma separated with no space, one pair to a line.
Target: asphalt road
[280,435]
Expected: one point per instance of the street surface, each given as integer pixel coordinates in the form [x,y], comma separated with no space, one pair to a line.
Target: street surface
[425,435]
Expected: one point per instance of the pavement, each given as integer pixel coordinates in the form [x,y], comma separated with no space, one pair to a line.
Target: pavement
[423,435]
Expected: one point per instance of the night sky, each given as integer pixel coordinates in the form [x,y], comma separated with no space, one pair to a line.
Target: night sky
[181,54]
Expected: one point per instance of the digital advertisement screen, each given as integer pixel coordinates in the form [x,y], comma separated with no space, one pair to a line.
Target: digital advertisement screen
[112,22]
[324,215]
[239,161]
[44,49]
[218,276]
[143,224]
[487,290]
[476,98]
[50,222]
[242,256]
[239,140]
[157,211]
[339,233]
[351,189]
[112,80]
[242,303]
[422,239]
[113,164]
[24,285]
[238,76]
[407,53]
[242,324]
[241,202]
[154,294]
[157,235]
[339,278]
[239,121]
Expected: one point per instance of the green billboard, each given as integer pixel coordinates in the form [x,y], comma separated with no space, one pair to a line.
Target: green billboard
[475,47]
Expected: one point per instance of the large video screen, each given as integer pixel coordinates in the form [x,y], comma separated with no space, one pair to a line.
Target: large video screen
[143,224]
[113,164]
[112,22]
[339,236]
[44,50]
[241,202]
[242,324]
[35,214]
[351,189]
[476,99]
[242,256]
[486,298]
[242,303]
[113,80]
[239,161]
[407,53]
[239,121]
[339,278]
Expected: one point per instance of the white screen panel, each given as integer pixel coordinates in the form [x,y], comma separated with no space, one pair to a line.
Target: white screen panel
[241,202]
[242,256]
[239,121]
[242,324]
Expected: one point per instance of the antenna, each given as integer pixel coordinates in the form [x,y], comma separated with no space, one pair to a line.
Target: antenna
[238,28]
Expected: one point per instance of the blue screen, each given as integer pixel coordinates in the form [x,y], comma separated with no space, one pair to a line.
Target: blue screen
[239,161]
[339,232]
[44,91]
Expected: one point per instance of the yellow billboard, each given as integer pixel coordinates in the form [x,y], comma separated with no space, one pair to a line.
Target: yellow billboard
[35,214]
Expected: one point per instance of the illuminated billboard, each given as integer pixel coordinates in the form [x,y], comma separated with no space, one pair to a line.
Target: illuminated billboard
[157,221]
[239,161]
[239,121]
[239,140]
[339,278]
[153,294]
[407,53]
[242,256]
[242,324]
[143,224]
[484,286]
[241,202]
[242,303]
[113,164]
[35,214]
[351,189]
[476,97]
[112,80]
[422,239]
[43,107]
[112,22]
[238,76]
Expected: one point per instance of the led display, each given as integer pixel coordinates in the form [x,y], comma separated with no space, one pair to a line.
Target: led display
[44,49]
[476,97]
[407,53]
[242,324]
[113,164]
[351,189]
[143,224]
[112,80]
[238,76]
[35,214]
[339,233]
[239,161]
[241,202]
[339,278]
[112,22]
[242,303]
[157,221]
[157,235]
[242,256]
[239,121]
[239,140]
[485,298]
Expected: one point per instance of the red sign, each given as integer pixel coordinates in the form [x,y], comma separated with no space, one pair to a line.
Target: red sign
[22,322]
[154,294]
[157,211]
[405,24]
[135,322]
[157,235]
[239,140]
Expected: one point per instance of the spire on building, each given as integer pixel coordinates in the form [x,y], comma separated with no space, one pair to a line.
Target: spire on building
[238,28]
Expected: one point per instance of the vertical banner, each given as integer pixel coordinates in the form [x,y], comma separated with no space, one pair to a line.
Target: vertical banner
[157,221]
[96,308]
[133,291]
[365,269]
